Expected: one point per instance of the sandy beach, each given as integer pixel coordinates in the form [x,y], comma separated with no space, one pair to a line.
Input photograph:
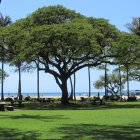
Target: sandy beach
[77,97]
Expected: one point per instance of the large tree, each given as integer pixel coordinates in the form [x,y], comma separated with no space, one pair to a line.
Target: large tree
[63,41]
[130,48]
[4,21]
[134,27]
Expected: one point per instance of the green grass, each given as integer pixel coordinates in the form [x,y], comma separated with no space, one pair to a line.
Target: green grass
[82,121]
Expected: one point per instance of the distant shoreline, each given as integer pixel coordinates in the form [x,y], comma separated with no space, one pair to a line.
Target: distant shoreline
[77,97]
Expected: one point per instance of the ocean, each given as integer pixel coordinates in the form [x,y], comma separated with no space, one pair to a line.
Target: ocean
[55,94]
[59,94]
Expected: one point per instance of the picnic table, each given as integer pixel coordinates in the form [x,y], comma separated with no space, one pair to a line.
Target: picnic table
[44,100]
[17,102]
[49,99]
[98,101]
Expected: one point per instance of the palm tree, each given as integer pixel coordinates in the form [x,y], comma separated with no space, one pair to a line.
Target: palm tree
[104,67]
[134,26]
[118,71]
[73,95]
[4,21]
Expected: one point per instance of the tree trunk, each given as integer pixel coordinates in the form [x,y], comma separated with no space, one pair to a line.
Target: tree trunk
[64,89]
[74,85]
[38,94]
[71,95]
[89,81]
[2,80]
[106,80]
[127,76]
[19,83]
[120,79]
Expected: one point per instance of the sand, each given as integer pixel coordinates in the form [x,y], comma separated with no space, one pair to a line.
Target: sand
[77,97]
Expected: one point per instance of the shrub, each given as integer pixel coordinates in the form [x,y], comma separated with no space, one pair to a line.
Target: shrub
[9,99]
[57,99]
[106,97]
[89,99]
[114,98]
[28,98]
[133,98]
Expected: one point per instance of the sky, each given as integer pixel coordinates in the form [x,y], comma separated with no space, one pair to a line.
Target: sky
[118,12]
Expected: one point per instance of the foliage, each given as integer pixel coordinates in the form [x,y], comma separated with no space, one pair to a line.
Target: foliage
[129,45]
[113,83]
[4,21]
[4,74]
[134,26]
[134,72]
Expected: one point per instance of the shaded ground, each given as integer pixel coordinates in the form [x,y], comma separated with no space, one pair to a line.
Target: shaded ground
[15,134]
[79,132]
[75,105]
[100,132]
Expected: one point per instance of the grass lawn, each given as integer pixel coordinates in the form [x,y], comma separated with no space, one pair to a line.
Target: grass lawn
[113,121]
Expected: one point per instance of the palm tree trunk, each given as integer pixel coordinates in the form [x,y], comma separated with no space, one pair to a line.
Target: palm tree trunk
[106,80]
[127,76]
[71,95]
[19,82]
[89,81]
[74,85]
[38,94]
[120,79]
[2,80]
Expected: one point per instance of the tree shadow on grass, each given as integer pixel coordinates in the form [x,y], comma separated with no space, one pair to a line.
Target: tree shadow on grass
[99,132]
[15,134]
[81,106]
[116,106]
[35,117]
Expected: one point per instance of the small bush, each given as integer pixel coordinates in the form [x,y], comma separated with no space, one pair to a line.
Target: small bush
[89,99]
[114,98]
[57,99]
[28,98]
[106,97]
[133,98]
[9,99]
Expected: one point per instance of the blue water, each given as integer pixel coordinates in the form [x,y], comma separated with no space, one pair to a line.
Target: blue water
[54,94]
[58,94]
